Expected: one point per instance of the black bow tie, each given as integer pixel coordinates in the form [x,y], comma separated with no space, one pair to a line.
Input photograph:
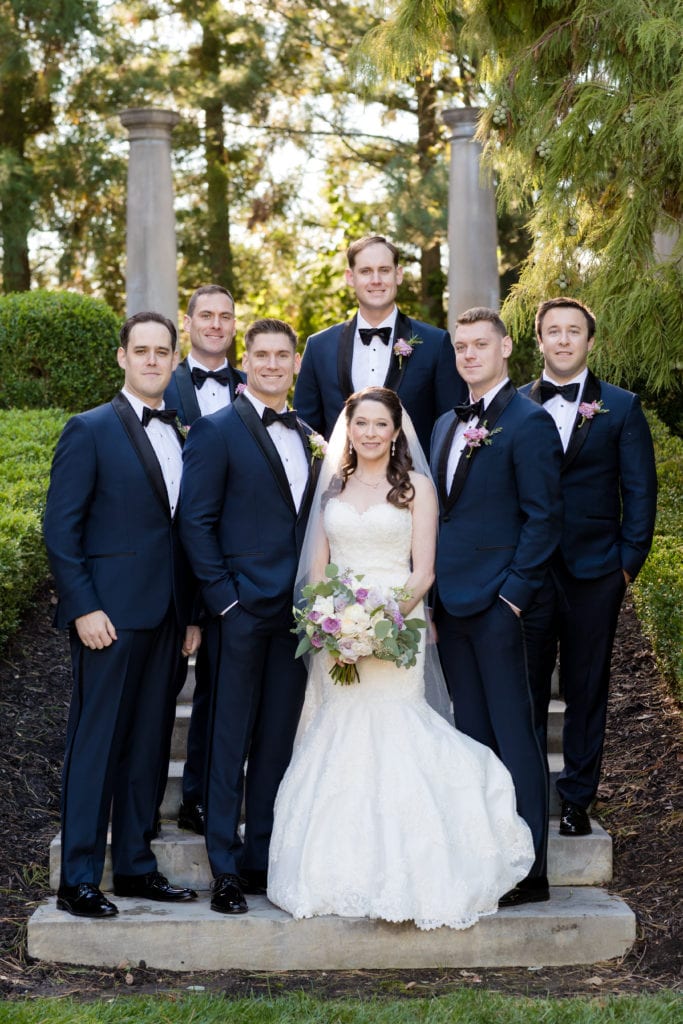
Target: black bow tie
[466,412]
[165,415]
[568,391]
[287,419]
[198,375]
[368,333]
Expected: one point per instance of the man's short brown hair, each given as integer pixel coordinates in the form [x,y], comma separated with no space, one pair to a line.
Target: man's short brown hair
[478,313]
[564,303]
[269,325]
[207,289]
[363,243]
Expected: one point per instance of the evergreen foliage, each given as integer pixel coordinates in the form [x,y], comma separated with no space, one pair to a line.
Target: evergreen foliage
[57,349]
[583,126]
[27,441]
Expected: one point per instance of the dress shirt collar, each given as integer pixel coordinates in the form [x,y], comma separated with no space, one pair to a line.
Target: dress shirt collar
[138,405]
[492,392]
[192,362]
[389,321]
[258,404]
[580,380]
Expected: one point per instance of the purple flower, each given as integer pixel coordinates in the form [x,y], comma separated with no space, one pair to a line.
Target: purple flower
[402,348]
[361,595]
[587,410]
[330,624]
[398,620]
[314,616]
[240,388]
[340,603]
[317,641]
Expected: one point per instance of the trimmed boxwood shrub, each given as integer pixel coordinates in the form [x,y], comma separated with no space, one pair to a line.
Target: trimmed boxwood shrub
[27,441]
[57,350]
[658,589]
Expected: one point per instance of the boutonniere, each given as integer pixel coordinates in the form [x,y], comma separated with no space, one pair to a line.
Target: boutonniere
[182,428]
[404,348]
[477,436]
[240,388]
[318,446]
[587,410]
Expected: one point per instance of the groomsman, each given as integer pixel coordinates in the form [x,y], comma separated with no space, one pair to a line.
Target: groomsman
[609,489]
[366,350]
[500,520]
[247,485]
[125,594]
[202,383]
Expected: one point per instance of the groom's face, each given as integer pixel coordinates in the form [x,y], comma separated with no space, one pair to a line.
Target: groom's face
[270,363]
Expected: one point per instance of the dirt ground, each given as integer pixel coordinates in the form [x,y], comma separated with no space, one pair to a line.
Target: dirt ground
[639,802]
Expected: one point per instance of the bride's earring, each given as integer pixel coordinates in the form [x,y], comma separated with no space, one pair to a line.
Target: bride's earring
[350,448]
[393,448]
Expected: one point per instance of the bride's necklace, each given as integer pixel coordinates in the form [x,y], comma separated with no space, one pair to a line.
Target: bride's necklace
[366,484]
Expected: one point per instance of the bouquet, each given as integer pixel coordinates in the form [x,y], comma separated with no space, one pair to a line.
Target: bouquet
[350,621]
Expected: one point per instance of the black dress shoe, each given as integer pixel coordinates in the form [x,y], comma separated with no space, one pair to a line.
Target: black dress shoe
[85,900]
[191,817]
[574,820]
[529,890]
[227,896]
[152,886]
[254,882]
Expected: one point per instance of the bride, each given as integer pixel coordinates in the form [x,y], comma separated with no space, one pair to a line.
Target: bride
[386,811]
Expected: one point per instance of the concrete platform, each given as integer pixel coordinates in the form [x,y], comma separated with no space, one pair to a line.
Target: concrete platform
[576,926]
[585,860]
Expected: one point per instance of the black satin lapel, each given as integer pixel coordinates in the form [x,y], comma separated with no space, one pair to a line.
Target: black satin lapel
[535,391]
[252,421]
[345,357]
[442,465]
[313,469]
[143,448]
[488,420]
[591,393]
[186,390]
[397,367]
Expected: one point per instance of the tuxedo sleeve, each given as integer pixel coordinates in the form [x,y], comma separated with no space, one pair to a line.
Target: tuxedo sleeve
[537,455]
[72,484]
[202,496]
[449,387]
[308,399]
[638,485]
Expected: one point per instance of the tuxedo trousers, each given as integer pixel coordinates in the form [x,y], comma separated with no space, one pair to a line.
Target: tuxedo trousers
[122,700]
[484,663]
[257,693]
[582,620]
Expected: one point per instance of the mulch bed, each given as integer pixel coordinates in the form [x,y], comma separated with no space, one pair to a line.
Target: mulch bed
[639,803]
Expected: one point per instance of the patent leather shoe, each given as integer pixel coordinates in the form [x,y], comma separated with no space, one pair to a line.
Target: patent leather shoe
[529,890]
[254,882]
[227,896]
[152,886]
[191,817]
[85,900]
[574,820]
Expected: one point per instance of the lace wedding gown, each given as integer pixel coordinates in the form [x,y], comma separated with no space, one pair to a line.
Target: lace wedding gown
[386,811]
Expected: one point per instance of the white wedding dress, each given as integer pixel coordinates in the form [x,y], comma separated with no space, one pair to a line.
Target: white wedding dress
[386,811]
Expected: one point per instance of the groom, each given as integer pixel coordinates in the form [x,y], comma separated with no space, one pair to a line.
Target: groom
[363,351]
[497,462]
[248,479]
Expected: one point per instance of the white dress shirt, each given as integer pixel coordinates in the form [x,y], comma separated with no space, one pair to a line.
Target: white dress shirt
[164,441]
[370,363]
[564,412]
[289,448]
[459,441]
[212,396]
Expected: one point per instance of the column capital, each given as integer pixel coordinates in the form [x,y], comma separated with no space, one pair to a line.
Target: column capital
[149,122]
[462,122]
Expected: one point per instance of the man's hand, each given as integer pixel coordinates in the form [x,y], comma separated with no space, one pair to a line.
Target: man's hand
[627,578]
[192,641]
[95,630]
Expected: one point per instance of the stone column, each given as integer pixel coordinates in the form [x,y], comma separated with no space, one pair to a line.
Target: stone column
[472,233]
[151,273]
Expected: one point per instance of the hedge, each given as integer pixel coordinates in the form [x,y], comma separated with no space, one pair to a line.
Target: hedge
[27,441]
[658,589]
[57,350]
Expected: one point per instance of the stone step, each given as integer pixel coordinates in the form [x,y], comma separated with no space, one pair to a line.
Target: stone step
[585,860]
[181,729]
[555,723]
[576,926]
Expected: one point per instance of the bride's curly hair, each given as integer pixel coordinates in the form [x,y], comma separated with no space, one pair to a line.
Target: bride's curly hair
[400,463]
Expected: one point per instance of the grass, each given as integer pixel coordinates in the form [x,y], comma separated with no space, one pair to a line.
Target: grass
[464,1007]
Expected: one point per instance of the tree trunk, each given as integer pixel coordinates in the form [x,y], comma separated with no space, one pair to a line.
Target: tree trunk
[17,190]
[218,202]
[432,278]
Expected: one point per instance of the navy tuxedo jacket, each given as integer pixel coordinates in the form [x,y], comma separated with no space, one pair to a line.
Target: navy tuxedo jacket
[609,484]
[427,381]
[109,534]
[181,394]
[501,520]
[237,516]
